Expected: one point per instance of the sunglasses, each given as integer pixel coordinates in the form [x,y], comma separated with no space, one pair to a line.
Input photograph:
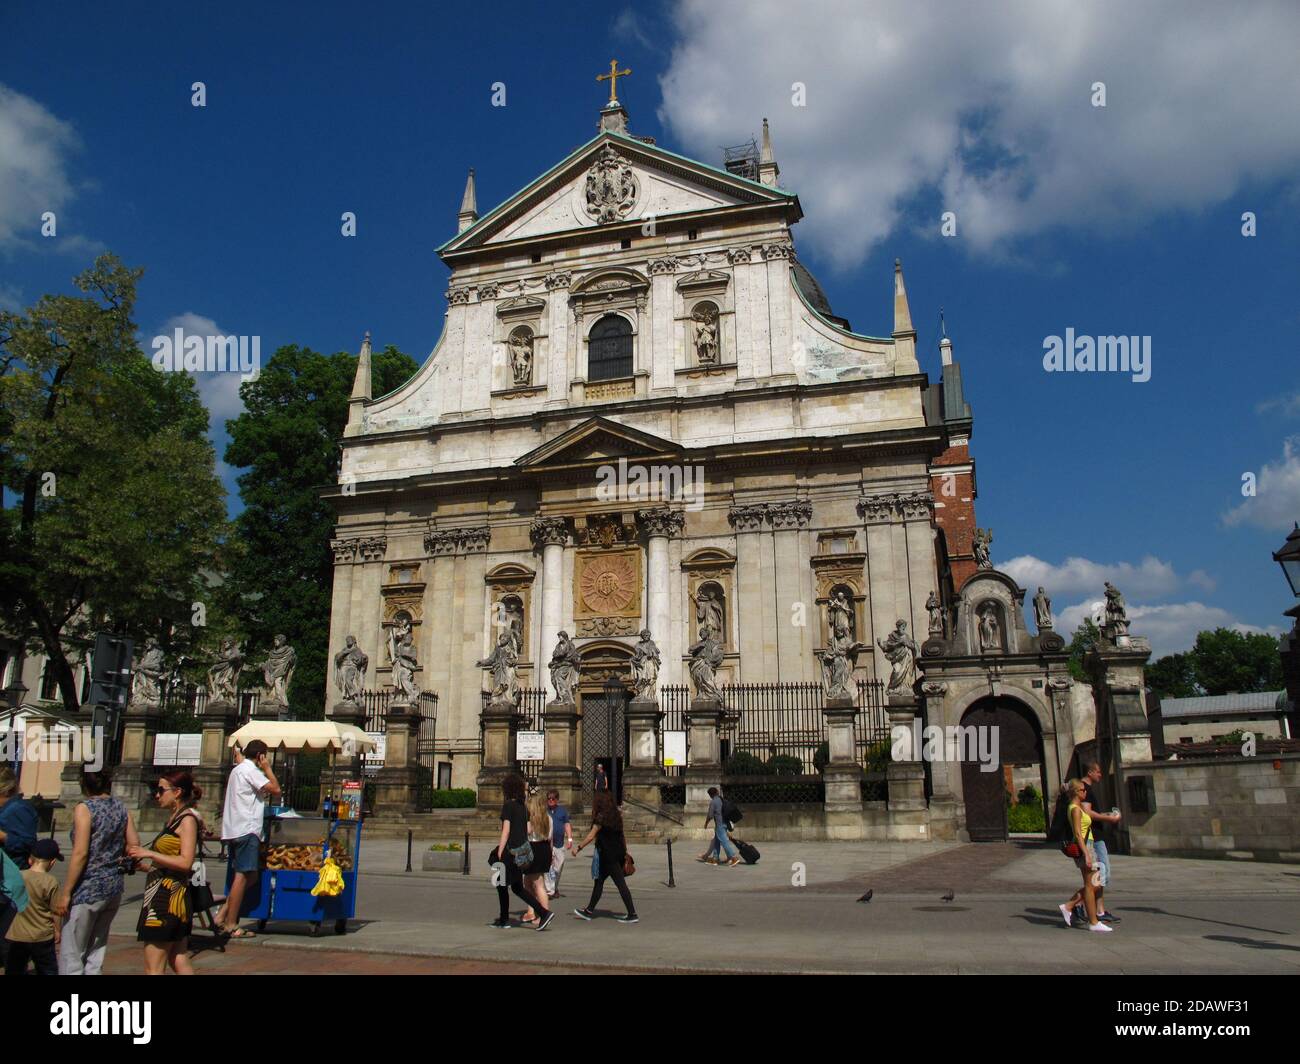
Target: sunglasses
[162,789]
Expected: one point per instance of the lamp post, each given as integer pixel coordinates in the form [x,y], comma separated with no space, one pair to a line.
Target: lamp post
[1289,558]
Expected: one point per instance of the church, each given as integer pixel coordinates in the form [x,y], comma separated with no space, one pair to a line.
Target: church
[643,413]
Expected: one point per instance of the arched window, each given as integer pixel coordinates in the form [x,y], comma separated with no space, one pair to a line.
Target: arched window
[609,349]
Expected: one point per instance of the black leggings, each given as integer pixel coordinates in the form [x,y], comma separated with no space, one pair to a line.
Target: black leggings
[616,874]
[515,883]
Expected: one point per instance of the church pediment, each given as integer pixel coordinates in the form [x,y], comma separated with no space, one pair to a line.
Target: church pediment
[596,441]
[613,178]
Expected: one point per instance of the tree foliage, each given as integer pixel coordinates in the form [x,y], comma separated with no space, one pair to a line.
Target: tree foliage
[1226,660]
[281,571]
[1084,639]
[112,508]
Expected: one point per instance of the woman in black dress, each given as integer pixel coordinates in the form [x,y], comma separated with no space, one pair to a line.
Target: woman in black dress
[611,849]
[517,854]
[165,918]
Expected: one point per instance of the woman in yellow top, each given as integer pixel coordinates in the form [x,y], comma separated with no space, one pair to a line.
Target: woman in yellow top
[1086,862]
[166,918]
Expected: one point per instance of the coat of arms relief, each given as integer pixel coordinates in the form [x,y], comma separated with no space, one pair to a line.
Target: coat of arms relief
[612,187]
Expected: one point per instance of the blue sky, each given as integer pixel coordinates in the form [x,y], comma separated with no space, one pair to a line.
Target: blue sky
[1123,219]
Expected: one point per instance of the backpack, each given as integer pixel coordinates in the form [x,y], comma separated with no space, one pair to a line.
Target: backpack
[1059,829]
[748,852]
[731,812]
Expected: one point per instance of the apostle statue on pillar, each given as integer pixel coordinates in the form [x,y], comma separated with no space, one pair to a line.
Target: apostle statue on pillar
[350,666]
[147,676]
[901,651]
[840,657]
[706,659]
[277,671]
[645,666]
[1116,614]
[564,668]
[502,664]
[404,666]
[223,677]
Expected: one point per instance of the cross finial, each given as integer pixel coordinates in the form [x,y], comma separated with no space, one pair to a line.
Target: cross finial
[612,77]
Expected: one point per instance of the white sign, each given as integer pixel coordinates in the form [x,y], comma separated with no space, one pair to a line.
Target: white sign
[530,746]
[674,748]
[171,749]
[375,757]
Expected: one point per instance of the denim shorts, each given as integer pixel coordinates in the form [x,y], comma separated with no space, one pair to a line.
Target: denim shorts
[245,853]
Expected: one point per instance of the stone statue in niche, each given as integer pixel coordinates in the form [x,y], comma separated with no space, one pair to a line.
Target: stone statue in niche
[708,611]
[983,539]
[840,657]
[705,328]
[521,357]
[935,608]
[706,659]
[990,630]
[645,666]
[350,666]
[901,651]
[564,668]
[1043,611]
[502,664]
[840,615]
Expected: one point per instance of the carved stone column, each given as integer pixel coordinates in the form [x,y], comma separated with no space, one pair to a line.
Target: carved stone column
[943,797]
[1116,666]
[842,774]
[220,718]
[552,535]
[560,770]
[499,725]
[660,526]
[703,722]
[345,556]
[397,783]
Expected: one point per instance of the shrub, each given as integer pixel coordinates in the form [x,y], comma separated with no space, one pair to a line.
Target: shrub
[743,764]
[453,798]
[784,765]
[446,847]
[822,756]
[878,755]
[1029,795]
[1026,817]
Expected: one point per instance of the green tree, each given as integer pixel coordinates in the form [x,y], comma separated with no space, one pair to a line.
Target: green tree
[112,507]
[1173,676]
[1084,639]
[1225,660]
[281,570]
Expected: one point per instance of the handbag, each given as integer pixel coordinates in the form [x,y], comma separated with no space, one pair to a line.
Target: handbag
[629,865]
[1071,848]
[595,865]
[522,854]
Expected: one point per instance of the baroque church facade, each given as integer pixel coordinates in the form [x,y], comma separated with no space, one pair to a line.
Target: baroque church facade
[642,412]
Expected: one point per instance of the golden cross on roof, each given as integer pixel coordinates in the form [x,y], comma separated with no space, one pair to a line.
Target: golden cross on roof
[612,77]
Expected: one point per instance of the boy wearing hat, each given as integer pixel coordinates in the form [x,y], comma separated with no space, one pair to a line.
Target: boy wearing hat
[35,932]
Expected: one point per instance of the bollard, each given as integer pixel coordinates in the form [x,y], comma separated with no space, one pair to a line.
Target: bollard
[671,881]
[466,869]
[408,850]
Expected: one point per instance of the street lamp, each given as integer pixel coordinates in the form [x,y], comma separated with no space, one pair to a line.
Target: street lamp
[16,694]
[1289,558]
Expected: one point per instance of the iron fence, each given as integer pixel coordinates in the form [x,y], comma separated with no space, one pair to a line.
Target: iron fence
[377,705]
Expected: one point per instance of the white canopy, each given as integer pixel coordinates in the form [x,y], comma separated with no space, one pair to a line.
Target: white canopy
[304,735]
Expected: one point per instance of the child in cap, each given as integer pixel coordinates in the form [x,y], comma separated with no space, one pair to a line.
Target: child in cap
[35,932]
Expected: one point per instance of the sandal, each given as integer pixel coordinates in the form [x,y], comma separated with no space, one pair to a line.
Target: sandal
[241,932]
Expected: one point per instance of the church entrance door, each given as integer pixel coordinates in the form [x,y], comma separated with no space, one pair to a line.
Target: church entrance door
[604,738]
[1019,745]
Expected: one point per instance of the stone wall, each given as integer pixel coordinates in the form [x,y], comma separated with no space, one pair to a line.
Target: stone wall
[1241,807]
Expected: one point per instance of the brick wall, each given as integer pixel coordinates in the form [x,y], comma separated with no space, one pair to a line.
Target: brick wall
[954,508]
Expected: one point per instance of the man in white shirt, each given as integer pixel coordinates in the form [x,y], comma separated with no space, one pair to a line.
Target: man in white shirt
[250,784]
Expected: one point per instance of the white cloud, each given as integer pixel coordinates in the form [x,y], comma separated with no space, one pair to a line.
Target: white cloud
[1172,628]
[628,27]
[1276,503]
[1150,578]
[219,391]
[1289,405]
[985,109]
[34,150]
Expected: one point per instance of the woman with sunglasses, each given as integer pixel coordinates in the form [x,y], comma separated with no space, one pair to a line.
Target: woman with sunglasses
[166,919]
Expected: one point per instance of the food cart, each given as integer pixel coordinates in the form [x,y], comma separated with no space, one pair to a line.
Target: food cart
[295,847]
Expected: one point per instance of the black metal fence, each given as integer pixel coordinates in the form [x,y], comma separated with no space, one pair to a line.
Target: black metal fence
[529,715]
[184,706]
[377,705]
[774,742]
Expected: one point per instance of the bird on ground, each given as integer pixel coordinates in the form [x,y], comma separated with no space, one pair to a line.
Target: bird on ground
[948,897]
[867,896]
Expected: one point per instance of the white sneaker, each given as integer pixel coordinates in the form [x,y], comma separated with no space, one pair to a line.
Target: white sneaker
[1100,927]
[1066,914]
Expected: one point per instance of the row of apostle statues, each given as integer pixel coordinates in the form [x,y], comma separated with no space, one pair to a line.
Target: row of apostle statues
[149,674]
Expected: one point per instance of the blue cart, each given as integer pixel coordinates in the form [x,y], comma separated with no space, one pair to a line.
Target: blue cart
[292,852]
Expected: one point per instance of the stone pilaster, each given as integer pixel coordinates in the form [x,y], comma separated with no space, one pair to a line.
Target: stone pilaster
[660,526]
[906,775]
[499,725]
[842,774]
[560,771]
[551,534]
[703,721]
[1115,665]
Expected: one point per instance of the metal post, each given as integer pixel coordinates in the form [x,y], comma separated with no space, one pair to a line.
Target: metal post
[466,870]
[671,881]
[408,850]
